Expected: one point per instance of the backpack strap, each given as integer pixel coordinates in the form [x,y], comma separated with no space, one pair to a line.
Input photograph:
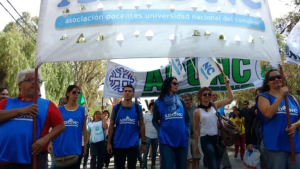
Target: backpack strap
[116,111]
[137,109]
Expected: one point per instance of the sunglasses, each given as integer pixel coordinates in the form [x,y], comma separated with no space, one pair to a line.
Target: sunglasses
[4,94]
[31,80]
[74,93]
[206,94]
[175,83]
[272,78]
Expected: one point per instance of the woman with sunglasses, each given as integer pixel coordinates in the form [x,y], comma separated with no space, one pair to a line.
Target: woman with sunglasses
[206,126]
[70,141]
[275,132]
[171,120]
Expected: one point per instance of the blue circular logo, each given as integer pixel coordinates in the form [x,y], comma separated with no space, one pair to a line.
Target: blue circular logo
[119,78]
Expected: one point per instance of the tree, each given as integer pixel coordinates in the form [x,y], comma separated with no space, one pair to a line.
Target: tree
[17,52]
[89,75]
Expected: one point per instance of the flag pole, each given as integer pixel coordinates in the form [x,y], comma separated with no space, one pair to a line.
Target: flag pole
[35,95]
[102,105]
[288,116]
[196,71]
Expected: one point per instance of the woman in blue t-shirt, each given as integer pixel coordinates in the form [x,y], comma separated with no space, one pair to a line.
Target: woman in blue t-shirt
[70,141]
[171,120]
[275,145]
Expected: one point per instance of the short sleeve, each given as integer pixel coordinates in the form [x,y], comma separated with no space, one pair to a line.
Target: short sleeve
[86,112]
[54,115]
[3,104]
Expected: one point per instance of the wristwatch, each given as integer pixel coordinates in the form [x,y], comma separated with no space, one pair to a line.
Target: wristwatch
[144,143]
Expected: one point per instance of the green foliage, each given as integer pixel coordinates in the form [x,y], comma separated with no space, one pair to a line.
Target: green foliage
[18,53]
[89,75]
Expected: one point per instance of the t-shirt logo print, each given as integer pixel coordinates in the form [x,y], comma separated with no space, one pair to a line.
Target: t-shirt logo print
[127,120]
[71,123]
[174,115]
[23,118]
[120,77]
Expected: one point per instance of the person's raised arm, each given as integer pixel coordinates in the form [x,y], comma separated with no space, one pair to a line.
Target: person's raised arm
[270,110]
[196,129]
[229,99]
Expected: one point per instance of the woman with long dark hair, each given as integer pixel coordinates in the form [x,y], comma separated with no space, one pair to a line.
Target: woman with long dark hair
[171,120]
[240,123]
[96,133]
[206,126]
[70,141]
[3,93]
[275,145]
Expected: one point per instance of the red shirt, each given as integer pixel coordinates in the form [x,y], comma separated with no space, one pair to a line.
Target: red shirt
[53,118]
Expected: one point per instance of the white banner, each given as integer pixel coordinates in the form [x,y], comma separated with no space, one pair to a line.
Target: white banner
[80,30]
[243,74]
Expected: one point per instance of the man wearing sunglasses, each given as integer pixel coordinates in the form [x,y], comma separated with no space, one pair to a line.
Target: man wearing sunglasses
[16,124]
[245,111]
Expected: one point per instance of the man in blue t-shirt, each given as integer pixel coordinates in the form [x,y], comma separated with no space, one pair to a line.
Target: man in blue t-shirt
[125,125]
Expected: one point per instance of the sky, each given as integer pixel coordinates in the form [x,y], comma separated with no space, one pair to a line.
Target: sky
[277,7]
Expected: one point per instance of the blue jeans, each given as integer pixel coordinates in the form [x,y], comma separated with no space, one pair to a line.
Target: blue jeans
[154,145]
[213,155]
[170,155]
[279,159]
[86,157]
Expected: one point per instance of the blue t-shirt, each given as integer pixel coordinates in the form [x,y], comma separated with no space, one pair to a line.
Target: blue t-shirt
[126,133]
[70,141]
[273,130]
[173,129]
[16,134]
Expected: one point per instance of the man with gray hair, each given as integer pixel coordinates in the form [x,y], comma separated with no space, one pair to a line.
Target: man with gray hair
[188,99]
[16,125]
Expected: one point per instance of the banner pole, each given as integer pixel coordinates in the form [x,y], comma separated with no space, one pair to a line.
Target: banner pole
[35,94]
[288,116]
[196,71]
[102,107]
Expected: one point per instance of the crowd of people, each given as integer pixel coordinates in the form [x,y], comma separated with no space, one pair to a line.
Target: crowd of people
[181,131]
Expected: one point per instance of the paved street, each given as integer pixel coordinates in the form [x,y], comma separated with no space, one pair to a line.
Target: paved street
[235,162]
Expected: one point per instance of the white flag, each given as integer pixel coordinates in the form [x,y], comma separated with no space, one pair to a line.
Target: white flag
[177,68]
[291,57]
[207,70]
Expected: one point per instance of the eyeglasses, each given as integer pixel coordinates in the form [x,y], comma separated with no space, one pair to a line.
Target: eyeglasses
[272,78]
[206,94]
[4,94]
[31,80]
[175,83]
[74,93]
